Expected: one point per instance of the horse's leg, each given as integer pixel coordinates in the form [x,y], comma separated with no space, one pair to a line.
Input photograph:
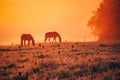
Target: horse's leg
[49,39]
[28,42]
[53,40]
[24,42]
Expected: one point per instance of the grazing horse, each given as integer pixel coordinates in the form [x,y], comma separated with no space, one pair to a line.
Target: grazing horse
[27,37]
[53,35]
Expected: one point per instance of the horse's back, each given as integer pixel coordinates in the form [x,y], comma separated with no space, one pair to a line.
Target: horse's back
[51,34]
[26,36]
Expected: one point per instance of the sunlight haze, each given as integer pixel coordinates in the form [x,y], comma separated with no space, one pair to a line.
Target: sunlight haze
[68,17]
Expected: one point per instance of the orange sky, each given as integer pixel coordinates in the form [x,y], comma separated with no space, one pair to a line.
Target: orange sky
[68,17]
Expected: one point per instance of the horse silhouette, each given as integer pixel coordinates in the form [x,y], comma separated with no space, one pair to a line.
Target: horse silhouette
[27,37]
[53,35]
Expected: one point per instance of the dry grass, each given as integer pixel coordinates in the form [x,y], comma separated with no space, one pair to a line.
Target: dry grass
[65,61]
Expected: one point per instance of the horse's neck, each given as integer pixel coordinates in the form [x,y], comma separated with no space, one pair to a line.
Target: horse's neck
[59,37]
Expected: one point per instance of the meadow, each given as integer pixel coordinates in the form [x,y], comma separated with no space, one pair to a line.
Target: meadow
[61,61]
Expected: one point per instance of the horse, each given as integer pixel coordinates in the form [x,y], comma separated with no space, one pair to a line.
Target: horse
[27,37]
[53,35]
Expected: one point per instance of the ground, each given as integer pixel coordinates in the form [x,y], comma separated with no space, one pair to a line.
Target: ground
[61,61]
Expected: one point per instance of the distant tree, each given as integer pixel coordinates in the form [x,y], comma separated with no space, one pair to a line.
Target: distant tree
[105,22]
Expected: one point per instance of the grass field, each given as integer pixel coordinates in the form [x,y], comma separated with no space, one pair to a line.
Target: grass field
[61,61]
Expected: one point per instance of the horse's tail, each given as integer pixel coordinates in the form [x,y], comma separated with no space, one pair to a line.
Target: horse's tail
[45,37]
[21,40]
